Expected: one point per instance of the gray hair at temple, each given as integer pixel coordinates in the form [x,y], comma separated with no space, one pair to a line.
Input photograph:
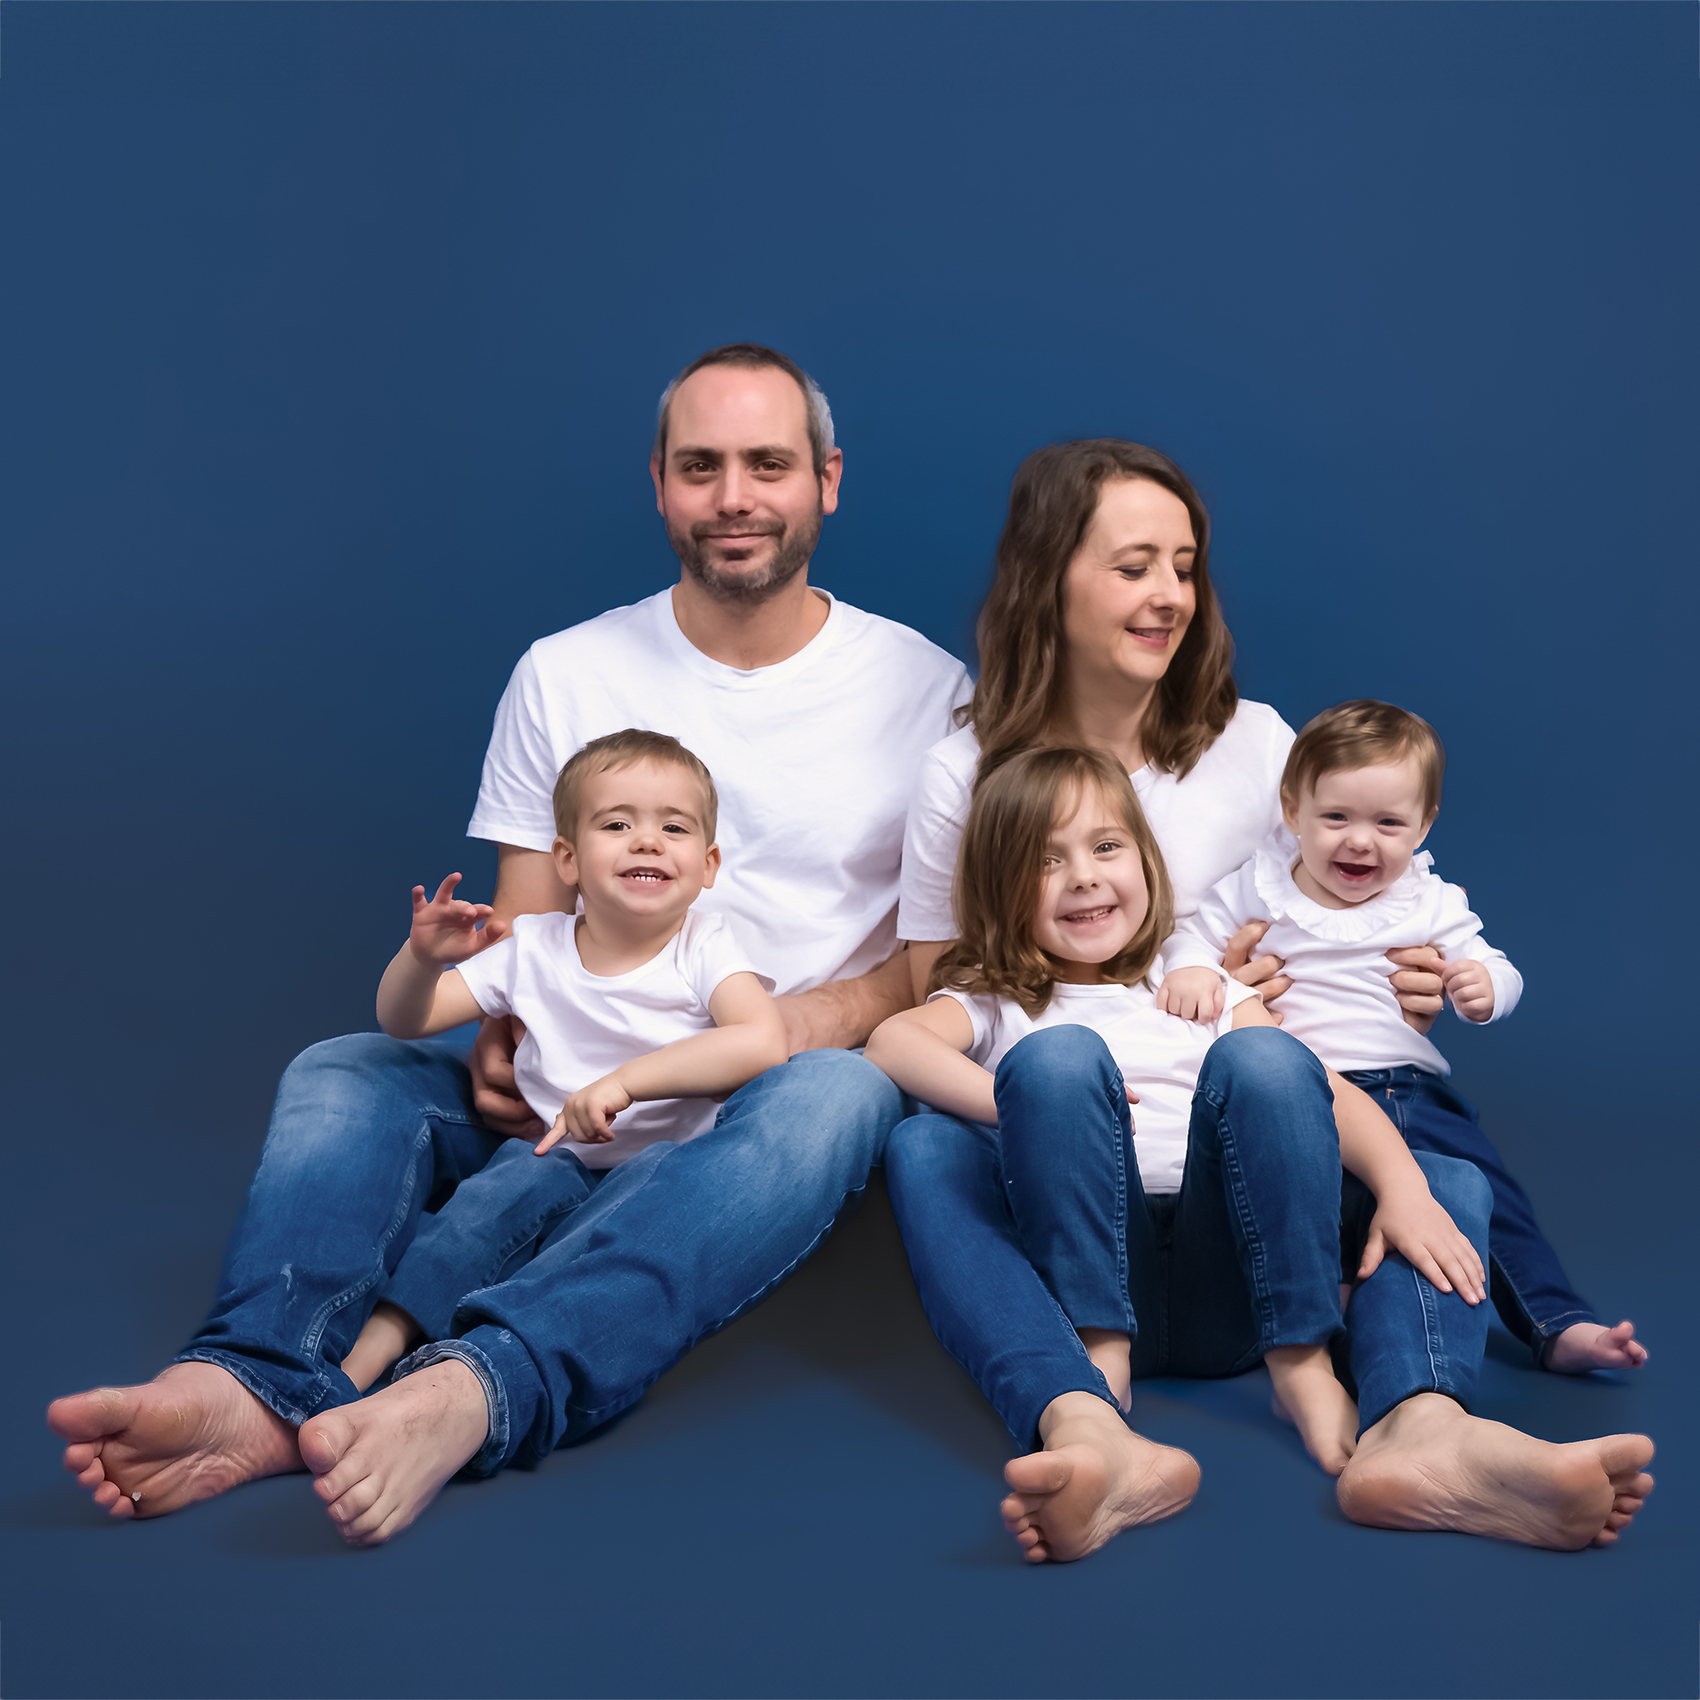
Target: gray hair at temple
[752,356]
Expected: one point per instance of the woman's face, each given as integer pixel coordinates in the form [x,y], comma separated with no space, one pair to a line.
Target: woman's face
[1128,595]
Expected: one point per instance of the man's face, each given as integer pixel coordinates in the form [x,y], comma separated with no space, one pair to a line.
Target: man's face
[738,490]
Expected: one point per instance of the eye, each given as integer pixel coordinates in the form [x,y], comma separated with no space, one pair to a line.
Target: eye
[616,826]
[1108,847]
[1184,574]
[1335,815]
[673,826]
[1131,573]
[1392,821]
[1048,861]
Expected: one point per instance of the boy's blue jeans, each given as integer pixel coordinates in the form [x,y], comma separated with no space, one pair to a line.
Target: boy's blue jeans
[1019,1234]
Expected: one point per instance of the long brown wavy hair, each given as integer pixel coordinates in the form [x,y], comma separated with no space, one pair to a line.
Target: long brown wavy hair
[1018,701]
[1000,867]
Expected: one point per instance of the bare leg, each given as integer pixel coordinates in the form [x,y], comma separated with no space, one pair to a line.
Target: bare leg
[1094,1478]
[1109,1351]
[191,1432]
[389,1332]
[382,1461]
[1591,1345]
[1429,1465]
[1309,1396]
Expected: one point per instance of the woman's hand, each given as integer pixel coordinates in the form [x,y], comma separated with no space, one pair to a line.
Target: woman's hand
[1407,1220]
[1262,973]
[587,1118]
[1417,983]
[1194,994]
[1470,987]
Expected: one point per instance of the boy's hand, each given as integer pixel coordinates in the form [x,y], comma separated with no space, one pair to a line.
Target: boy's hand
[587,1117]
[1194,994]
[1409,1222]
[1470,987]
[445,930]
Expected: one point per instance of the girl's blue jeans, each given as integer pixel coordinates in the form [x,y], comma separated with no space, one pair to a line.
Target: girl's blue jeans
[1022,1233]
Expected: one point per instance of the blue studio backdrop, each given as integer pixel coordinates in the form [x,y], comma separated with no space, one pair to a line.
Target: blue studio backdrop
[330,338]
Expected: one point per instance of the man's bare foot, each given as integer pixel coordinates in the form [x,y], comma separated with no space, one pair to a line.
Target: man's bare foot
[388,1334]
[1095,1478]
[191,1432]
[382,1461]
[1309,1396]
[1110,1352]
[1591,1345]
[1429,1465]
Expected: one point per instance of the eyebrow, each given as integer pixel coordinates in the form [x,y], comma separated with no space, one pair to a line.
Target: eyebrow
[671,810]
[1151,549]
[763,451]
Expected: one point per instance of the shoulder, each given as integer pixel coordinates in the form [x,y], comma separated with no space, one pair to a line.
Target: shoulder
[633,626]
[891,643]
[1254,743]
[946,777]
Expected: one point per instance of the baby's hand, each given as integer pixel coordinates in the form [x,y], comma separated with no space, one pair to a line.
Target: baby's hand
[1194,994]
[1470,987]
[1409,1222]
[587,1117]
[445,930]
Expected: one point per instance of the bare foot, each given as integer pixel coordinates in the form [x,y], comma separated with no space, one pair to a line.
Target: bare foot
[1110,1352]
[382,1461]
[1429,1465]
[1309,1396]
[1095,1478]
[1591,1345]
[388,1334]
[191,1432]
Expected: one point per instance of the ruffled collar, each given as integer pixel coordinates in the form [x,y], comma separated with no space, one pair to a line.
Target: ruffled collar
[1272,872]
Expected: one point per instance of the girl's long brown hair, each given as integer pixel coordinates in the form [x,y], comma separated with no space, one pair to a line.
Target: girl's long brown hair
[1000,866]
[1018,701]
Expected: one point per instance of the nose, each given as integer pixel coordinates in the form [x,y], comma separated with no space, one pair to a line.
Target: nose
[736,494]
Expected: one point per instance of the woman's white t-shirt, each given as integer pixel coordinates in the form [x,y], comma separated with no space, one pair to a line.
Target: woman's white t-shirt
[1205,824]
[580,1026]
[1159,1055]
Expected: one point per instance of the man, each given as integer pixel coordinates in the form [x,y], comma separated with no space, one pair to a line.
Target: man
[812,717]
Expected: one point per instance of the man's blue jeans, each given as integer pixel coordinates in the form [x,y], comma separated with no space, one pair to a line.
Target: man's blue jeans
[1244,1258]
[673,1244]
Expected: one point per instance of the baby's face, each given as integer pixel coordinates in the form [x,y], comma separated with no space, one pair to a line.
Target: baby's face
[1357,831]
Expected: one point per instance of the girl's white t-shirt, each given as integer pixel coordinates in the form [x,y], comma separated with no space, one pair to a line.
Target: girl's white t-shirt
[1159,1055]
[580,1026]
[1205,824]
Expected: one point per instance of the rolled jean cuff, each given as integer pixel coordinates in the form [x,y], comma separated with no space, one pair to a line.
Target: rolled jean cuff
[1367,1419]
[320,1393]
[1544,1335]
[493,1454]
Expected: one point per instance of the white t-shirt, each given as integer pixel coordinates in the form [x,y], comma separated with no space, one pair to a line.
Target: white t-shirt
[1159,1055]
[1342,1002]
[814,759]
[580,1026]
[1205,824]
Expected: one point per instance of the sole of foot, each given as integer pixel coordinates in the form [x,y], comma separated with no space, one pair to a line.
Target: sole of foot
[1430,1465]
[1588,1346]
[192,1432]
[380,1462]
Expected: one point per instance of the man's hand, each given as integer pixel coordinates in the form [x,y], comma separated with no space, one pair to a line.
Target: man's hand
[445,929]
[495,1096]
[1194,994]
[1407,1220]
[1417,985]
[1262,973]
[1470,987]
[587,1118]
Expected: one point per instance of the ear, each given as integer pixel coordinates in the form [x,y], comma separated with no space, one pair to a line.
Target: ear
[830,477]
[1290,813]
[566,861]
[710,865]
[1428,827]
[659,477]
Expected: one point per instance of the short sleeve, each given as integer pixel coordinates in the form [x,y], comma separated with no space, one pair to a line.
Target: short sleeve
[516,797]
[982,1012]
[931,836]
[710,953]
[491,974]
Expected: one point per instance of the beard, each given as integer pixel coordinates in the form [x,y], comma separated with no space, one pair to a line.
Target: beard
[735,581]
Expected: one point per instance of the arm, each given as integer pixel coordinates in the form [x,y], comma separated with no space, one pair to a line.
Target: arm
[844,1012]
[923,953]
[415,997]
[1457,963]
[921,1050]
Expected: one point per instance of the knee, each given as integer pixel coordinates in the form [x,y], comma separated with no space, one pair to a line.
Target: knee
[330,1064]
[1265,1055]
[924,1150]
[1056,1061]
[1461,1190]
[846,1080]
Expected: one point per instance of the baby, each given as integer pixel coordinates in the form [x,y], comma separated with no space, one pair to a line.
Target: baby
[1340,885]
[639,1010]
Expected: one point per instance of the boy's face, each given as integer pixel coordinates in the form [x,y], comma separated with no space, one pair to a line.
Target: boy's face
[1358,829]
[639,849]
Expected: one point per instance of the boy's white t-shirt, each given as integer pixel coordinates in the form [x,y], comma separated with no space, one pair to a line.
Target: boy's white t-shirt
[1342,1002]
[1159,1055]
[814,759]
[1205,824]
[580,1026]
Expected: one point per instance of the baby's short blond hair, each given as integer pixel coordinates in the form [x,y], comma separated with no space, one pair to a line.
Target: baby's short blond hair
[1358,734]
[626,749]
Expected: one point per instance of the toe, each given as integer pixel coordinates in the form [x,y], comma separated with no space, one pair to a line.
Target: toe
[93,1474]
[324,1441]
[79,1457]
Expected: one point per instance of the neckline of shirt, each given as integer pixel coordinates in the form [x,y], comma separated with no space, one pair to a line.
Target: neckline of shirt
[575,962]
[752,678]
[1273,877]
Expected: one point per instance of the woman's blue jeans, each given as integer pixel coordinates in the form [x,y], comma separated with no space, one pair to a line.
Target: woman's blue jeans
[1019,1234]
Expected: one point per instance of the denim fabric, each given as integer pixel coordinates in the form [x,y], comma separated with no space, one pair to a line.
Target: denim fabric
[1530,1290]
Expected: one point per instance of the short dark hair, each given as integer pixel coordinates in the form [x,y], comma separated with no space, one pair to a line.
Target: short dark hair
[627,749]
[754,357]
[1363,733]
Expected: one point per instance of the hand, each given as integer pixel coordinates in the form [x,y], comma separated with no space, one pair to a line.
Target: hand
[587,1118]
[495,1095]
[1409,1222]
[1470,987]
[1263,973]
[1194,994]
[1417,985]
[445,930]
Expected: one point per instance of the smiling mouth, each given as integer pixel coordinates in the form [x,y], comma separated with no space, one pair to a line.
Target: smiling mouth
[1085,917]
[1354,870]
[648,876]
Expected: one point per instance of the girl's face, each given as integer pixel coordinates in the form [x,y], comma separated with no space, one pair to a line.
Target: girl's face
[1092,893]
[1357,831]
[1128,595]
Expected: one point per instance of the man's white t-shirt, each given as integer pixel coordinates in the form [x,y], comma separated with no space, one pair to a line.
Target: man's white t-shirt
[1342,1002]
[814,759]
[580,1026]
[1205,824]
[1159,1055]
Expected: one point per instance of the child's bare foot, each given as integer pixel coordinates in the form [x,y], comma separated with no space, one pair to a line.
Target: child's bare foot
[1591,1345]
[191,1432]
[1110,1351]
[388,1333]
[1094,1479]
[382,1461]
[1309,1396]
[1429,1465]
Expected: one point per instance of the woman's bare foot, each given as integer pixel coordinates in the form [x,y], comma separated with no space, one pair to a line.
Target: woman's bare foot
[1430,1465]
[388,1334]
[1095,1478]
[382,1461]
[1309,1396]
[191,1432]
[1591,1345]
[1110,1352]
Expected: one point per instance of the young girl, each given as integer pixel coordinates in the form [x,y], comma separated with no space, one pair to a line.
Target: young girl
[1215,1237]
[1341,884]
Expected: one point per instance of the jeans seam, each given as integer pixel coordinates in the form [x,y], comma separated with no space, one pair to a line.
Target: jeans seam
[1119,1086]
[1250,1235]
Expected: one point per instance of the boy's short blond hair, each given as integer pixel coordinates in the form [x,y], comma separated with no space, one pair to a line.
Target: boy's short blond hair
[626,749]
[1358,734]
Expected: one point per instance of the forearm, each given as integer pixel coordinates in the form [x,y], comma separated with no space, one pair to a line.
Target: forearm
[706,1065]
[1370,1146]
[844,1012]
[931,1070]
[407,995]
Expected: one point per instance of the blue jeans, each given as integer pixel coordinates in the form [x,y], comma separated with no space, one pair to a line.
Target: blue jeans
[1244,1258]
[673,1244]
[1531,1292]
